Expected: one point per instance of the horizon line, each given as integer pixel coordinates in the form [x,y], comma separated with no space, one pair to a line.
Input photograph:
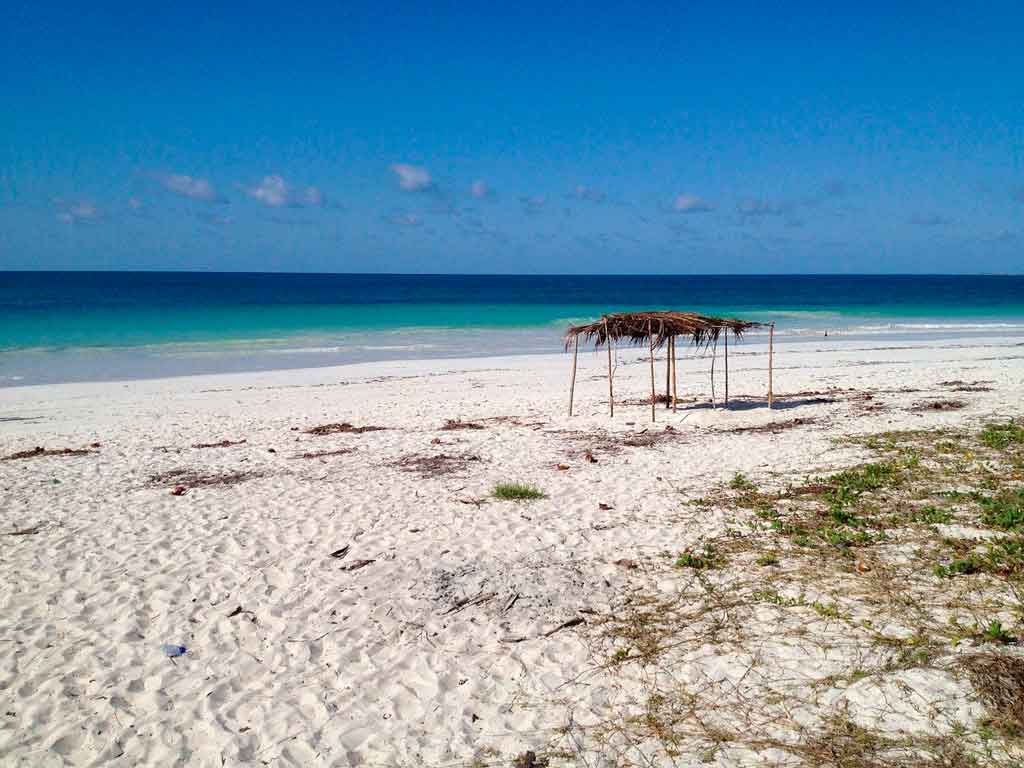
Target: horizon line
[508,274]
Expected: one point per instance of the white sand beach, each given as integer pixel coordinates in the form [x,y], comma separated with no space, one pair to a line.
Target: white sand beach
[375,605]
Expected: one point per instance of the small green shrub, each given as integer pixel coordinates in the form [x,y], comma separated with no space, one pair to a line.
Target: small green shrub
[772,596]
[1002,436]
[931,515]
[620,655]
[741,482]
[848,485]
[769,559]
[517,492]
[846,488]
[844,538]
[962,567]
[710,558]
[1005,510]
[827,610]
[1003,557]
[994,633]
[1006,556]
[801,539]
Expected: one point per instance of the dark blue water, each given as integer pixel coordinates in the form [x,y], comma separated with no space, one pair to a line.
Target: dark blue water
[154,320]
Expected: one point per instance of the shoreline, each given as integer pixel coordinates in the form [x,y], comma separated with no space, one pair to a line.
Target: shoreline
[107,364]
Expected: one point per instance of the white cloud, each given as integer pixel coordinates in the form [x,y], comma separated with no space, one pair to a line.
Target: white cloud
[479,189]
[312,196]
[272,191]
[85,210]
[76,212]
[189,186]
[691,204]
[275,192]
[412,178]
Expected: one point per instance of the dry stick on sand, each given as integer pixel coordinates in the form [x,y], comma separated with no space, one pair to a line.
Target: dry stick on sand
[357,564]
[937,405]
[774,426]
[452,424]
[464,602]
[574,622]
[428,465]
[565,625]
[345,427]
[38,451]
[510,602]
[221,444]
[197,478]
[324,454]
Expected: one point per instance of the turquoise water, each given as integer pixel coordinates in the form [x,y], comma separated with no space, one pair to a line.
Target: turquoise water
[61,326]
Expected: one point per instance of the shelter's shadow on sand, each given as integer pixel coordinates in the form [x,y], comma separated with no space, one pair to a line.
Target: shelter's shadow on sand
[751,405]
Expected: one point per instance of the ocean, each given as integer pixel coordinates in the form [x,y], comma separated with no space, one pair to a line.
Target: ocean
[81,326]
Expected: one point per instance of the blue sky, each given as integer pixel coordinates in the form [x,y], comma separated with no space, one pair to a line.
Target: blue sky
[578,138]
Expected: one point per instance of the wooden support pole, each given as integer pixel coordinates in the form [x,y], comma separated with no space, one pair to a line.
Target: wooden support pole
[668,372]
[611,394]
[572,381]
[726,367]
[714,356]
[771,339]
[672,341]
[650,339]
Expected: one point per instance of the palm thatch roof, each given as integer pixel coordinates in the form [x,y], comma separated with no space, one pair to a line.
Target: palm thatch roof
[657,327]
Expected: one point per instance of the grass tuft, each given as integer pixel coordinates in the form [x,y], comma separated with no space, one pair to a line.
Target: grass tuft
[517,492]
[994,633]
[850,485]
[1006,557]
[741,482]
[964,566]
[931,515]
[706,560]
[1004,510]
[1000,436]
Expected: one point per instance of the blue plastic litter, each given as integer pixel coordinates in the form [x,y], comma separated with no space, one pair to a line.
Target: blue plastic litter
[173,651]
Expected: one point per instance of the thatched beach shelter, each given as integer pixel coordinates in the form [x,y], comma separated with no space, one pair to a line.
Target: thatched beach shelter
[661,329]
